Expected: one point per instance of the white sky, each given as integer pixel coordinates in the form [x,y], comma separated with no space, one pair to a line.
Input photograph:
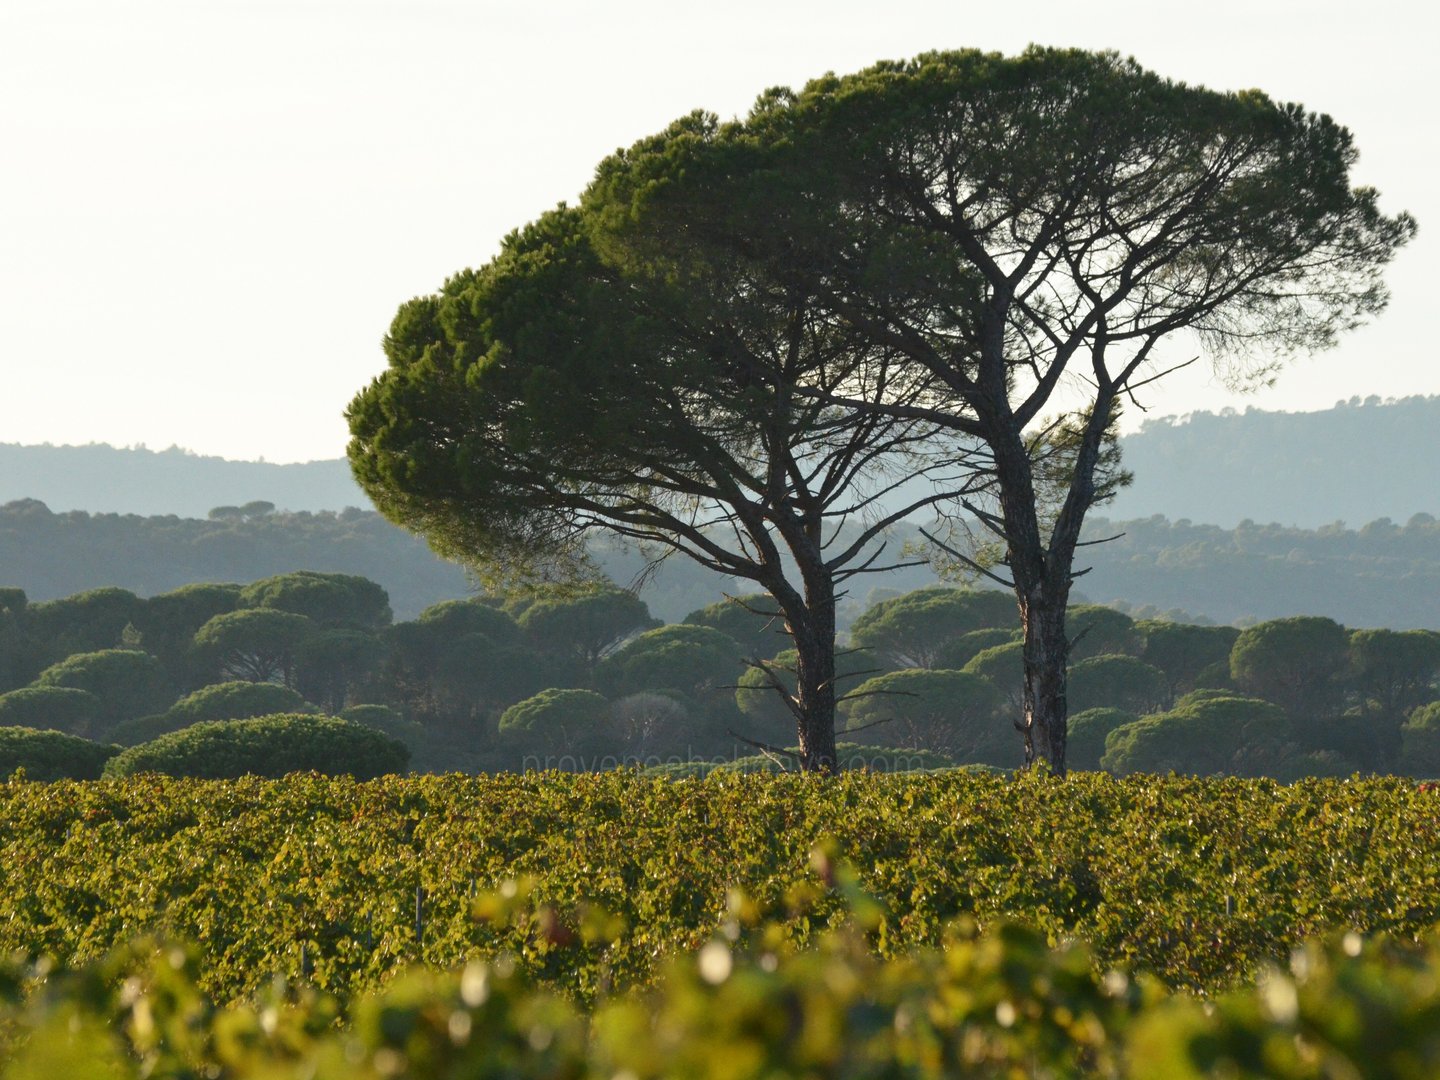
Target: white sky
[210,209]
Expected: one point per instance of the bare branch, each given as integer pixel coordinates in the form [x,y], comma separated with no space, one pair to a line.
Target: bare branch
[1092,543]
[873,723]
[771,752]
[966,560]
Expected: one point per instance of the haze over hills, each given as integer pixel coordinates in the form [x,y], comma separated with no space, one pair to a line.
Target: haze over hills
[1356,463]
[1384,574]
[1251,499]
[134,480]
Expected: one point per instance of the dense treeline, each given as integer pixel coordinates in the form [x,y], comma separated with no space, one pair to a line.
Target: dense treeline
[1304,469]
[53,555]
[587,678]
[1382,575]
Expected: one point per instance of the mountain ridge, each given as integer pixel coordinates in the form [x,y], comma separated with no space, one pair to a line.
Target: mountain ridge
[1362,460]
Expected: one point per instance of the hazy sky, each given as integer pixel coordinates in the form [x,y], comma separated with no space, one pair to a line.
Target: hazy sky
[210,209]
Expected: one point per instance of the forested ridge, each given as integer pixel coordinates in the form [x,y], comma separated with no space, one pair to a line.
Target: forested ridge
[52,555]
[112,479]
[1361,460]
[1380,574]
[1205,522]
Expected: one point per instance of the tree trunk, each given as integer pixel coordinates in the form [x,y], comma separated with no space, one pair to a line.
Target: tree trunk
[1042,612]
[1040,596]
[1040,569]
[814,637]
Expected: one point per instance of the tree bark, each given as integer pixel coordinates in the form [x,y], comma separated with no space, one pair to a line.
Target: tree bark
[814,637]
[1040,593]
[1041,567]
[1046,712]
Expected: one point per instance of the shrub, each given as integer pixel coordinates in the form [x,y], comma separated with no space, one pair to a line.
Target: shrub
[126,682]
[58,708]
[387,721]
[51,755]
[953,713]
[220,701]
[958,652]
[1234,735]
[557,723]
[1117,682]
[1085,737]
[270,746]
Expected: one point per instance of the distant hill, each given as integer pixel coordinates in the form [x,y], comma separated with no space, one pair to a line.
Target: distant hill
[1381,575]
[51,555]
[106,479]
[1356,463]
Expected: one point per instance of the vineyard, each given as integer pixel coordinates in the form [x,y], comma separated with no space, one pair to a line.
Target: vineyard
[1025,919]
